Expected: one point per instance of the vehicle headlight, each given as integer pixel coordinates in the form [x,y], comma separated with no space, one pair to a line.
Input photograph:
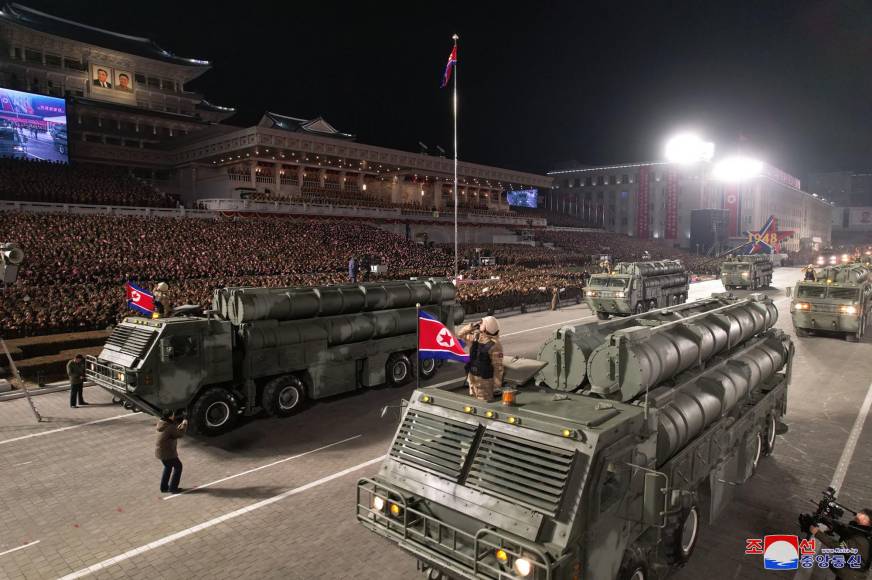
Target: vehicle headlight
[619,294]
[395,509]
[378,503]
[851,309]
[523,567]
[745,274]
[591,293]
[845,257]
[802,306]
[119,377]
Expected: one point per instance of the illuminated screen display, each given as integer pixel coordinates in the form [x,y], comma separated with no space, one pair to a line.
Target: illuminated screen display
[523,197]
[33,126]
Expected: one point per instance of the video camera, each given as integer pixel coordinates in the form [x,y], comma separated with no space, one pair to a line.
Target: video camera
[828,512]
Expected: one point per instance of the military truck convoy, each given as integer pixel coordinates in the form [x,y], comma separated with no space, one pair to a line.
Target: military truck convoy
[629,435]
[751,271]
[837,300]
[270,349]
[635,287]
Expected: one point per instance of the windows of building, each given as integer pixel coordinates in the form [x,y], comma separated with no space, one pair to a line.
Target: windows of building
[153,83]
[588,180]
[33,56]
[16,53]
[600,180]
[577,182]
[625,178]
[73,64]
[613,179]
[53,60]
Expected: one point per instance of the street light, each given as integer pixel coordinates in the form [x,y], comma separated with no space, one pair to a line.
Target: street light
[687,148]
[737,168]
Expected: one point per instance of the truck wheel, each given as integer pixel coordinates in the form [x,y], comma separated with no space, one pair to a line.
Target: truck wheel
[602,315]
[758,452]
[398,369]
[215,412]
[427,368]
[769,435]
[283,396]
[632,568]
[680,538]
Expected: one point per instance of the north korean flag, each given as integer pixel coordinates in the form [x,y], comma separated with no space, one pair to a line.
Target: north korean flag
[139,299]
[436,341]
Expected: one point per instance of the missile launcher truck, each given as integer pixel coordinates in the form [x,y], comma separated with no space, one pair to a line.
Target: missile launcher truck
[751,272]
[837,300]
[608,479]
[635,287]
[270,349]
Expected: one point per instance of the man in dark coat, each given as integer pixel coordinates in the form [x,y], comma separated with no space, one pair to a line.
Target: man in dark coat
[169,431]
[76,374]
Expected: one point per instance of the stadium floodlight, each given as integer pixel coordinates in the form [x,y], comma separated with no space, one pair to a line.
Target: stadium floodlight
[686,148]
[737,168]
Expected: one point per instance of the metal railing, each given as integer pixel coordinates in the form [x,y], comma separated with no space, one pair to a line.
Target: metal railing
[472,555]
[104,375]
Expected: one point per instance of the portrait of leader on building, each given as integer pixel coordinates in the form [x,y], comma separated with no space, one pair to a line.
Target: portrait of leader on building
[122,81]
[100,77]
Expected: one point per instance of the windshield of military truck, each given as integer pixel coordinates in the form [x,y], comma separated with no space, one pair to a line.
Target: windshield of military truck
[608,282]
[843,293]
[811,291]
[734,267]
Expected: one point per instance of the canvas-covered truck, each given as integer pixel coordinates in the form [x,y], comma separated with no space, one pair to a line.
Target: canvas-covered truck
[609,481]
[838,300]
[750,271]
[635,287]
[270,349]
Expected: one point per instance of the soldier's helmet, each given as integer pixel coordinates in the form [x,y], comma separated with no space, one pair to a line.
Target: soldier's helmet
[161,287]
[490,325]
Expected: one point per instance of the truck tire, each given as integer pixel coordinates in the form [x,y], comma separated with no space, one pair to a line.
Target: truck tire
[214,412]
[769,435]
[427,367]
[398,370]
[283,396]
[602,315]
[632,568]
[757,453]
[679,538]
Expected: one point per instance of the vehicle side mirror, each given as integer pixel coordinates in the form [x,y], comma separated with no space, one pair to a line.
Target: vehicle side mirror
[654,499]
[788,292]
[167,352]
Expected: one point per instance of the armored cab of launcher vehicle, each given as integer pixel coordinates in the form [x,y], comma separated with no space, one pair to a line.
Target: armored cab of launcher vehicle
[837,300]
[752,272]
[635,287]
[609,481]
[271,349]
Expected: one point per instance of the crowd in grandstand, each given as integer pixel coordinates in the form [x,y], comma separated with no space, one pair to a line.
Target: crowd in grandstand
[44,181]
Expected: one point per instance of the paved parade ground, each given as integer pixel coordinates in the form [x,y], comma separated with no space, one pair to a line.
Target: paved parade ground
[275,499]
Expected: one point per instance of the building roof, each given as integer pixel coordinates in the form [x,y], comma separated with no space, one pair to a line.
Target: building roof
[132,109]
[316,126]
[136,45]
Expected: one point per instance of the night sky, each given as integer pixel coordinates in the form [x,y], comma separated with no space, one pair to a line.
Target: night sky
[590,82]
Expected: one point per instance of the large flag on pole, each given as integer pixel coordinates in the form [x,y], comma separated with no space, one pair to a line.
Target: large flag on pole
[139,299]
[436,341]
[452,60]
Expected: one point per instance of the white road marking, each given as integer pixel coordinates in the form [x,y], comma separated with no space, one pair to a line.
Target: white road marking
[20,547]
[215,521]
[851,444]
[564,323]
[40,434]
[297,456]
[20,464]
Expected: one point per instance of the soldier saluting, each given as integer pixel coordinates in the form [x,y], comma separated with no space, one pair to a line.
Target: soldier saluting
[485,368]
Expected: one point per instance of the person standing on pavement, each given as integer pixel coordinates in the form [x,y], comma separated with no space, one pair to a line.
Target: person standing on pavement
[555,298]
[485,367]
[169,431]
[76,374]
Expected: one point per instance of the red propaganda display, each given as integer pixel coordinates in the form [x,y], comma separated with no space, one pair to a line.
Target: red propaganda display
[671,205]
[731,204]
[642,207]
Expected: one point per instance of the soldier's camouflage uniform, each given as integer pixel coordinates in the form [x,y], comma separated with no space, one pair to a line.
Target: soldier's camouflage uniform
[481,388]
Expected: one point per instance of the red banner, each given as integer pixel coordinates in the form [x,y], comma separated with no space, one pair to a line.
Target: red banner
[731,204]
[642,207]
[671,205]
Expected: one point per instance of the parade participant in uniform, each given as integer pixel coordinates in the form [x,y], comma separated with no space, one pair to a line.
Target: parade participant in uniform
[809,273]
[555,298]
[485,368]
[161,303]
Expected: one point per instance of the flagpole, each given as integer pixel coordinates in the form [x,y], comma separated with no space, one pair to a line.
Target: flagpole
[456,191]
[418,345]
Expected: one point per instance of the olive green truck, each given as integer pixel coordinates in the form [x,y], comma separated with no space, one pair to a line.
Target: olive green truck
[270,349]
[635,287]
[838,301]
[752,272]
[605,476]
